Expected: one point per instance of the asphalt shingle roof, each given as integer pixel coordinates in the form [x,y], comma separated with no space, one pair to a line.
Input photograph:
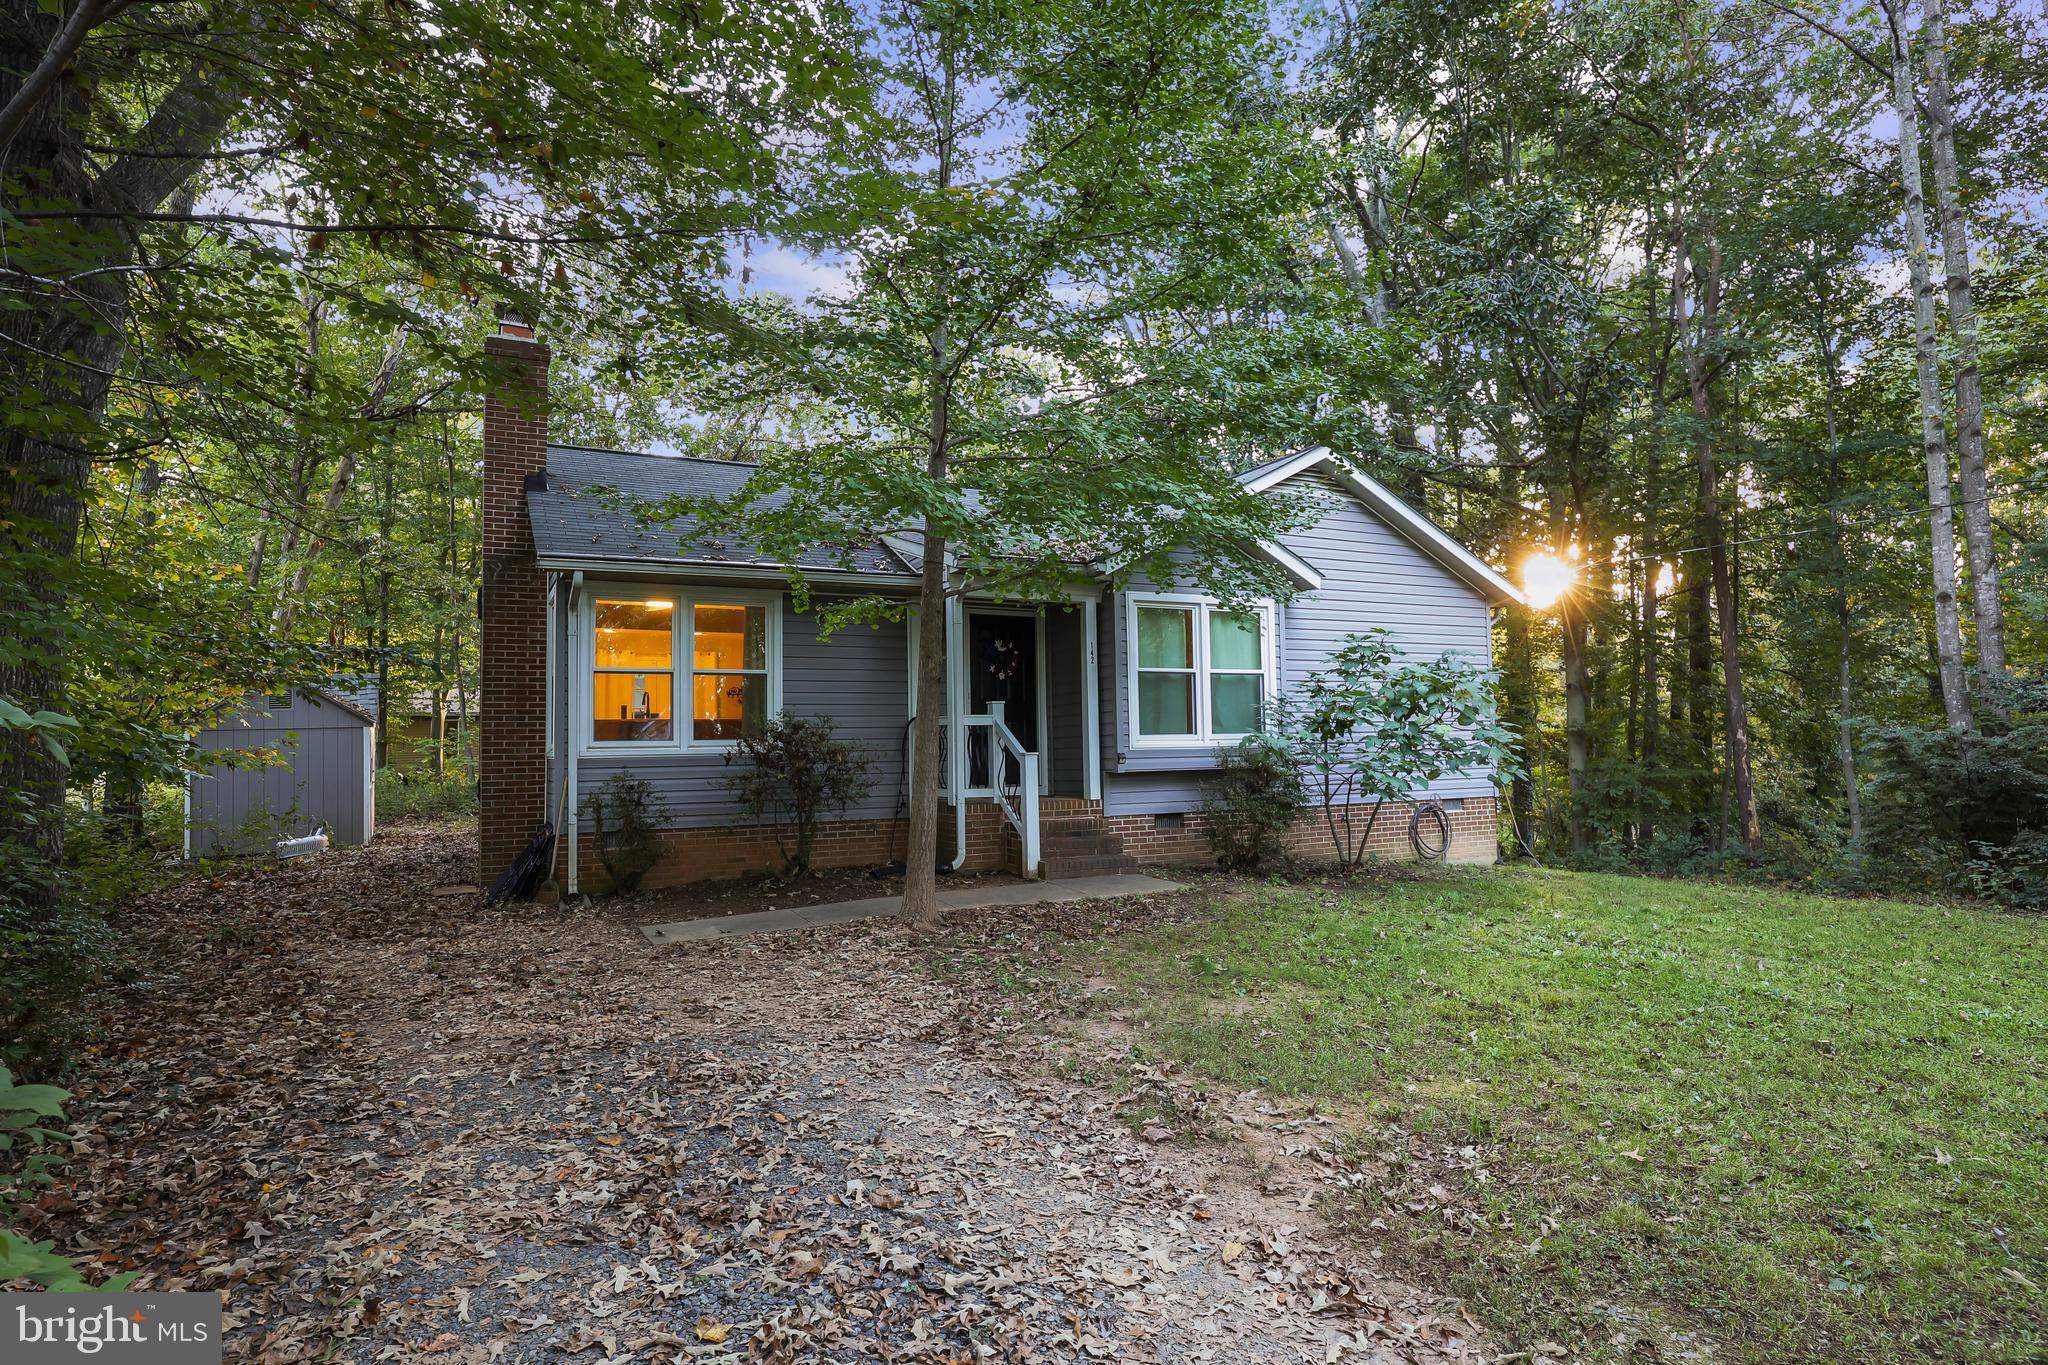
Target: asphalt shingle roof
[572,522]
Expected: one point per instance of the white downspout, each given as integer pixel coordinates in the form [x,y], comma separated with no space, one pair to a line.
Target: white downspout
[1091,703]
[564,729]
[956,728]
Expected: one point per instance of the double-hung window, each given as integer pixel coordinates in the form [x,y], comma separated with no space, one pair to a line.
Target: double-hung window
[1201,672]
[632,682]
[728,670]
[714,653]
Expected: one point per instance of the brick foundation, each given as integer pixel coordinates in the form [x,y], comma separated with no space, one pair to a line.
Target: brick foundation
[1475,835]
[720,853]
[512,778]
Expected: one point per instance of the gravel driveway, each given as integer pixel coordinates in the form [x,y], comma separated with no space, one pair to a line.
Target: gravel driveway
[393,1125]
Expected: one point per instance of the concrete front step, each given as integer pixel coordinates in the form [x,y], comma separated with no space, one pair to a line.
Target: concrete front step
[1080,844]
[1100,845]
[1057,869]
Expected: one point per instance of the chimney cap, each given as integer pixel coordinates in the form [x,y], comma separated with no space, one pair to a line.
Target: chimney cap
[512,323]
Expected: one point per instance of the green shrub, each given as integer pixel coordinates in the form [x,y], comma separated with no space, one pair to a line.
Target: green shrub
[1965,811]
[1375,727]
[54,944]
[627,813]
[421,795]
[26,1165]
[796,770]
[1252,802]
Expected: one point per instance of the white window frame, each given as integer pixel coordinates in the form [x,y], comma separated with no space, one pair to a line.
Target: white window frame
[1201,607]
[682,663]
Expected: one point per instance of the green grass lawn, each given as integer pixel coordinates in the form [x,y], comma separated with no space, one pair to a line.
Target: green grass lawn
[1816,1129]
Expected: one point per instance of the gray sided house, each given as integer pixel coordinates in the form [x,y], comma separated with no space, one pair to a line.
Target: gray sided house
[1078,732]
[303,762]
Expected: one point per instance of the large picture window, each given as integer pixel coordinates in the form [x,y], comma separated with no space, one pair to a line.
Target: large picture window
[1199,672]
[714,653]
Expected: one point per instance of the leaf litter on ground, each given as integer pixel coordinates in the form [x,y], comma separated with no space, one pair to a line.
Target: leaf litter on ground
[386,1124]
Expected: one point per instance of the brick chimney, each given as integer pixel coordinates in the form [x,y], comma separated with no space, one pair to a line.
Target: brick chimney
[512,674]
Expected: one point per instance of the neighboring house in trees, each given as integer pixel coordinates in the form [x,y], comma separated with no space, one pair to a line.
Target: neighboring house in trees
[1078,731]
[417,724]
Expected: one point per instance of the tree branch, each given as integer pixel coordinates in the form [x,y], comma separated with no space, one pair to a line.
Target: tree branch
[63,47]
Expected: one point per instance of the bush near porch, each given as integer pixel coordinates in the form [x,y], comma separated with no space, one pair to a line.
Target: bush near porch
[1816,1129]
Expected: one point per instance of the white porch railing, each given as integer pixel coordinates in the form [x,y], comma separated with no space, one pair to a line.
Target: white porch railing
[1012,775]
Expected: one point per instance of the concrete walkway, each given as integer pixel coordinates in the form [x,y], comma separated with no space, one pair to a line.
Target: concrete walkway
[877,907]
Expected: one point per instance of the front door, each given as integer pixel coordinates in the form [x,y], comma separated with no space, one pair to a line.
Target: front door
[1002,665]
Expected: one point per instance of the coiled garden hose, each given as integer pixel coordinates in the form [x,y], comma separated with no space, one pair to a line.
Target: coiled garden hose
[1429,832]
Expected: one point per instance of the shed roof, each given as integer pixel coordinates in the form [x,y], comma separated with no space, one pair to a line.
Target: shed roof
[574,523]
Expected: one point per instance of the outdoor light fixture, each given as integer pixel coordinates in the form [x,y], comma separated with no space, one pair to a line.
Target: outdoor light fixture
[1546,578]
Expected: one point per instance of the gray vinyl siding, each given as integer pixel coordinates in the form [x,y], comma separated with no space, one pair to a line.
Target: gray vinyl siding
[859,677]
[1372,576]
[323,781]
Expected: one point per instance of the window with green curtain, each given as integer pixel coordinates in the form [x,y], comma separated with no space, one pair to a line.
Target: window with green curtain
[1237,669]
[1166,671]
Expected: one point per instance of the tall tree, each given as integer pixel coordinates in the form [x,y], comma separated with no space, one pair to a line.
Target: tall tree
[1948,630]
[1024,360]
[1980,544]
[161,161]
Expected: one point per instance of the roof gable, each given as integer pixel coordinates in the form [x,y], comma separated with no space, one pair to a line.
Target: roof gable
[1380,500]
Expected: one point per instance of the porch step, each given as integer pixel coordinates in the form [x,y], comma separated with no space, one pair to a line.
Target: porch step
[1094,846]
[1058,869]
[1081,846]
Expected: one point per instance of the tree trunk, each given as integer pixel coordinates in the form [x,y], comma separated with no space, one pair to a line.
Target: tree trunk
[1980,546]
[1519,689]
[337,491]
[1844,734]
[1573,622]
[1735,719]
[1572,630]
[65,345]
[1844,716]
[384,520]
[462,714]
[1653,478]
[302,572]
[921,857]
[1948,634]
[1381,298]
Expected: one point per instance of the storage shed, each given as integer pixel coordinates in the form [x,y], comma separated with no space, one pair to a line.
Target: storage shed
[309,765]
